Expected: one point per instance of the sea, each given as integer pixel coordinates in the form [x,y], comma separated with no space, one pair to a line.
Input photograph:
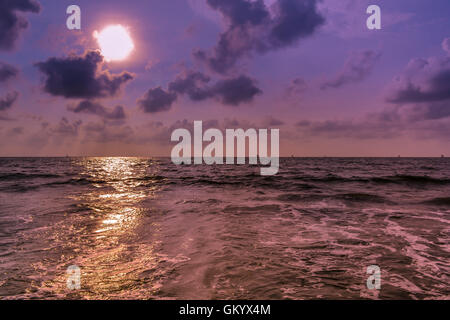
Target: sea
[144,228]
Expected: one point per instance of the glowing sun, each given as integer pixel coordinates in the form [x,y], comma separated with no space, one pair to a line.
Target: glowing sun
[115,42]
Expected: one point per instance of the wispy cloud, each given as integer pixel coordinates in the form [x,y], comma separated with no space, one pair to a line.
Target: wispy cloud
[7,101]
[357,68]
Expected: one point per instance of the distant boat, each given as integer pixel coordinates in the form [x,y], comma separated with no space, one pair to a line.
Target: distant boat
[442,156]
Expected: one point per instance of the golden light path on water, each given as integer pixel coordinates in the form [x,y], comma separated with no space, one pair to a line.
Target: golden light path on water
[112,258]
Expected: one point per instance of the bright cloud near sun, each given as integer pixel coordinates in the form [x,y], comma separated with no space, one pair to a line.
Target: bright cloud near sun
[115,42]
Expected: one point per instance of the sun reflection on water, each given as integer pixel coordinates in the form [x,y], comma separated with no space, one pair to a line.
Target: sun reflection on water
[112,257]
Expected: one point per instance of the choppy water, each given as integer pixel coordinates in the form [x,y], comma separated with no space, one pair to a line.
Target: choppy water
[144,228]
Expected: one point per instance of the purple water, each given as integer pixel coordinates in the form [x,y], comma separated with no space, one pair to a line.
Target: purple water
[145,228]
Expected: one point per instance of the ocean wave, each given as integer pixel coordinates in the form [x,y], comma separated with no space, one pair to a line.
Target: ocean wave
[438,201]
[76,181]
[396,179]
[410,179]
[19,188]
[291,197]
[362,197]
[21,176]
[351,197]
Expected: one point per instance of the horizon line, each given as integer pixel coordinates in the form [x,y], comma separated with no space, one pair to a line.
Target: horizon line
[281,157]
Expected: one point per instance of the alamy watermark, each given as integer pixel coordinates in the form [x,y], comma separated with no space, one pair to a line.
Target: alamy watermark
[374,20]
[374,280]
[73,21]
[73,281]
[235,146]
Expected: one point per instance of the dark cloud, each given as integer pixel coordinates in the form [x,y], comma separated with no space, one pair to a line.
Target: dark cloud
[7,72]
[357,68]
[7,101]
[422,81]
[235,91]
[232,91]
[11,24]
[436,88]
[241,12]
[425,111]
[81,77]
[252,27]
[294,19]
[422,90]
[196,86]
[157,100]
[192,84]
[90,107]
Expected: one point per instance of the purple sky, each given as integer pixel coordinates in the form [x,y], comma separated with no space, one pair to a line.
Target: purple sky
[310,68]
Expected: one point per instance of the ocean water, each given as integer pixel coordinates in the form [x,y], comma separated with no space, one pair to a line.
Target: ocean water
[147,229]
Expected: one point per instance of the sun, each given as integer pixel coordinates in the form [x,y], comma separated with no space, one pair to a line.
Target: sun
[115,42]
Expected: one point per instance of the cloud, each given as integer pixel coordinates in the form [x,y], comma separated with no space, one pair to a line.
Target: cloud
[94,108]
[235,91]
[153,132]
[160,133]
[446,45]
[438,89]
[294,19]
[191,83]
[100,132]
[7,101]
[61,134]
[81,77]
[197,87]
[7,72]
[297,86]
[64,128]
[421,95]
[357,68]
[428,111]
[16,131]
[12,24]
[422,121]
[424,80]
[253,27]
[272,122]
[157,100]
[359,129]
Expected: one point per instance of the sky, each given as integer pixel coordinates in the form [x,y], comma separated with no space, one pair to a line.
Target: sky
[310,68]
